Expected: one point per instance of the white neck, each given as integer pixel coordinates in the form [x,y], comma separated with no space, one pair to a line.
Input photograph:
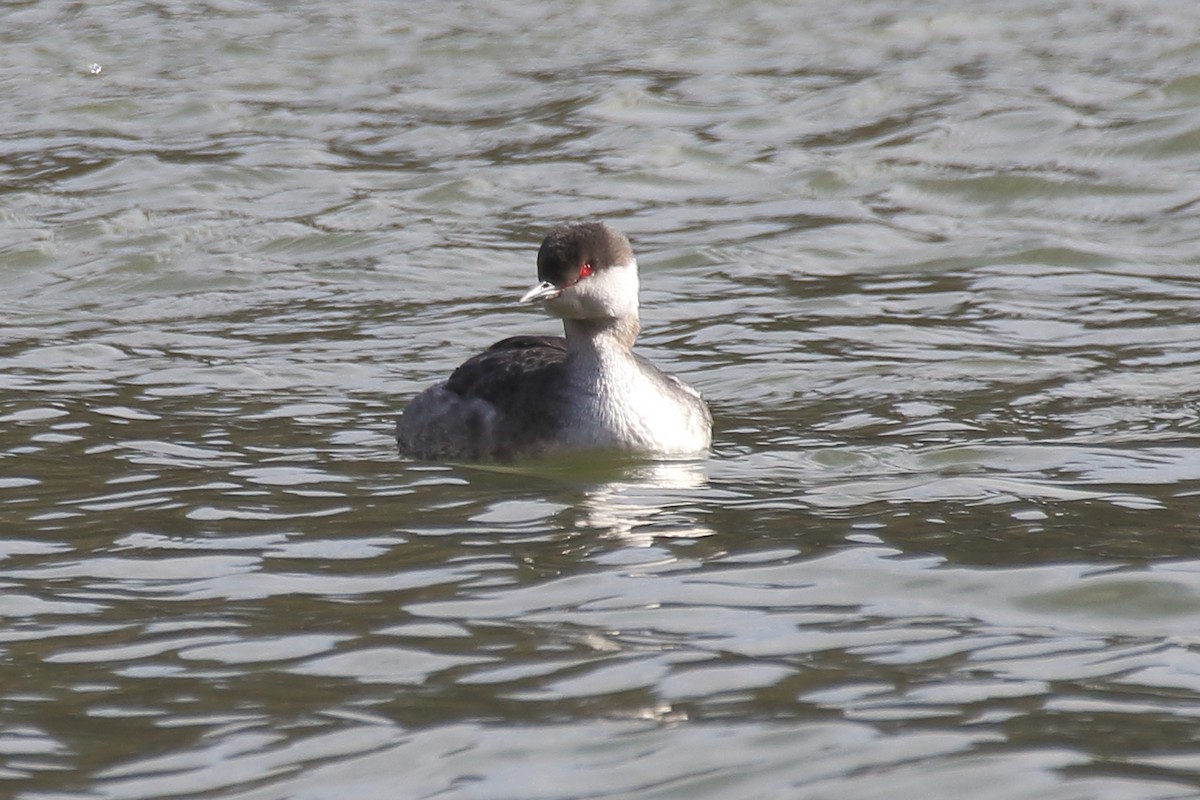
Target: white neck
[607,334]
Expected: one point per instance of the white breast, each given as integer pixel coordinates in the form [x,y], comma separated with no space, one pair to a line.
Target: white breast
[620,406]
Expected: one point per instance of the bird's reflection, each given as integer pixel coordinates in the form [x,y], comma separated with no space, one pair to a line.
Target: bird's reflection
[634,500]
[648,501]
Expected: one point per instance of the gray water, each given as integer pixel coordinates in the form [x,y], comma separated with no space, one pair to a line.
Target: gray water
[935,265]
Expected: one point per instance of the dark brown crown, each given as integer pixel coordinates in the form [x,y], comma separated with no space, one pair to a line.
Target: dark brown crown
[570,246]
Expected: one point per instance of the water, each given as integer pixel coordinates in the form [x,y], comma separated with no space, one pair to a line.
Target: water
[933,265]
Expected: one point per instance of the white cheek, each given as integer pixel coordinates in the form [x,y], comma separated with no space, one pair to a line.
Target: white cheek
[611,293]
[615,293]
[565,305]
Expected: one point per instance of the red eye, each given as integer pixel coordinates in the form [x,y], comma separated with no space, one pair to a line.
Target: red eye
[585,270]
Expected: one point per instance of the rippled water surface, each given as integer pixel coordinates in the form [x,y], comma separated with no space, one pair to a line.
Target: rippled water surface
[935,265]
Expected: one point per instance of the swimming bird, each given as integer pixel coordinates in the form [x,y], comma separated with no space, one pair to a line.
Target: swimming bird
[527,396]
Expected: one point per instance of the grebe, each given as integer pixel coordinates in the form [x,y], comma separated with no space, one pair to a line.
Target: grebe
[531,395]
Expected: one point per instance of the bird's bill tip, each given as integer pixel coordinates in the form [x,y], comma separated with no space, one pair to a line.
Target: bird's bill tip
[543,291]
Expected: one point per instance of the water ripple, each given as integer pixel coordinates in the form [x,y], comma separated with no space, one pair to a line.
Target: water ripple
[931,267]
